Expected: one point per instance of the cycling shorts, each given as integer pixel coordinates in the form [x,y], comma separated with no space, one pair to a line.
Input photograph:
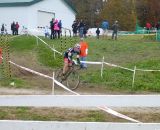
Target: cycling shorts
[66,60]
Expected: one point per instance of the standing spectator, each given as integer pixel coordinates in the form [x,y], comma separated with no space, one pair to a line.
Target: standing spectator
[5,29]
[56,29]
[2,29]
[98,32]
[46,31]
[13,27]
[85,31]
[148,27]
[158,25]
[105,27]
[115,28]
[83,52]
[60,28]
[52,28]
[74,28]
[81,28]
[16,28]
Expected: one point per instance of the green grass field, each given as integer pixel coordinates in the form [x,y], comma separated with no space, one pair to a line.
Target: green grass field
[127,51]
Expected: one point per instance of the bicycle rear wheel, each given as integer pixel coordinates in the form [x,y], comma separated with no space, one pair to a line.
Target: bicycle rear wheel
[73,80]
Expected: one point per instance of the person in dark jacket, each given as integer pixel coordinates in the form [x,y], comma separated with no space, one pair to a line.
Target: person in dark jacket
[13,28]
[81,28]
[60,28]
[97,32]
[115,28]
[52,36]
[75,28]
[2,29]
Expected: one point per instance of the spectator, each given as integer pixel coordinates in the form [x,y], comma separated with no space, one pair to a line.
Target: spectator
[158,25]
[74,28]
[115,28]
[13,27]
[52,28]
[148,27]
[16,28]
[2,29]
[46,31]
[56,29]
[83,52]
[81,28]
[60,28]
[85,31]
[105,26]
[5,29]
[97,32]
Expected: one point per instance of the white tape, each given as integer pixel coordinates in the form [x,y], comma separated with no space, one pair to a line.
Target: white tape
[118,114]
[113,65]
[47,44]
[90,62]
[145,70]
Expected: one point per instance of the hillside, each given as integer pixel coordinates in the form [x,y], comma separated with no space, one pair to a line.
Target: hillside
[127,52]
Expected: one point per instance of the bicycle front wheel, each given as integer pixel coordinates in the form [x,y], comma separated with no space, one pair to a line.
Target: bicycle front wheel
[73,80]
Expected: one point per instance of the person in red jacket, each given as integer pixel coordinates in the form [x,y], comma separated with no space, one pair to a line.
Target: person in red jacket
[17,28]
[83,52]
[148,26]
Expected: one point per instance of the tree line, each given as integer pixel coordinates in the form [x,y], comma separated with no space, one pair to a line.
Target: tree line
[127,12]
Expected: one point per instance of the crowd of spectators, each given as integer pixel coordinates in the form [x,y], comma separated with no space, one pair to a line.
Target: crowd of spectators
[150,27]
[56,28]
[14,28]
[79,27]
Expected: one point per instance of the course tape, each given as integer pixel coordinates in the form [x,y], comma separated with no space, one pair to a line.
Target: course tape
[47,44]
[113,65]
[61,85]
[118,114]
[145,70]
[109,64]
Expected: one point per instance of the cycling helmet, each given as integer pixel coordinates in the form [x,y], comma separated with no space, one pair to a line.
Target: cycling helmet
[77,45]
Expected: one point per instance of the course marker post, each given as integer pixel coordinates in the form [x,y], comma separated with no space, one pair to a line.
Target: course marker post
[53,85]
[134,73]
[102,67]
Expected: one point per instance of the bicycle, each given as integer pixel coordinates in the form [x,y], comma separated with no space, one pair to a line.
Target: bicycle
[71,77]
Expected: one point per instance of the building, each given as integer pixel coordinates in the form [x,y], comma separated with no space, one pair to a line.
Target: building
[36,13]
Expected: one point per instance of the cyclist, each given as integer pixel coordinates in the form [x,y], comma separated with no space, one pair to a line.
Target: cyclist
[68,55]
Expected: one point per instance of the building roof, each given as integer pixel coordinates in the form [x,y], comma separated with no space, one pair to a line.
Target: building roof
[16,3]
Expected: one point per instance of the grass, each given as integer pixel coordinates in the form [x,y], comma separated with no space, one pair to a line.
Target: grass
[127,51]
[67,114]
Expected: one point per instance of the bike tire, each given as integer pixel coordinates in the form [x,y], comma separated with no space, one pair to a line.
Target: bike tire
[73,80]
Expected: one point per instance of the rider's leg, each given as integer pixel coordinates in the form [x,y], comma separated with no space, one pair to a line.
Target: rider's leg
[65,67]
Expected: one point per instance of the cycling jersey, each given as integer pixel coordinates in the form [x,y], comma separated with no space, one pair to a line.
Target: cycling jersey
[70,52]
